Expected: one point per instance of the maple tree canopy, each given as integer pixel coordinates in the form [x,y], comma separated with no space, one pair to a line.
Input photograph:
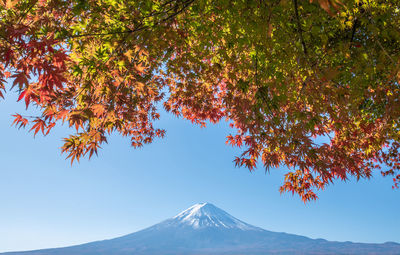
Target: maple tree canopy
[284,73]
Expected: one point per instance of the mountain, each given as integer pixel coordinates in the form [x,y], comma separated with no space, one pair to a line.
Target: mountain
[205,229]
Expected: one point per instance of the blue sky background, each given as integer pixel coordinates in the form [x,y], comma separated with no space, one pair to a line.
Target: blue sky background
[46,202]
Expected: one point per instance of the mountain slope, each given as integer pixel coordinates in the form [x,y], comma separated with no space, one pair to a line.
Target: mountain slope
[206,229]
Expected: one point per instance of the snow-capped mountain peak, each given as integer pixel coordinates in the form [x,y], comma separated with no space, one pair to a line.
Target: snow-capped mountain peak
[206,229]
[205,215]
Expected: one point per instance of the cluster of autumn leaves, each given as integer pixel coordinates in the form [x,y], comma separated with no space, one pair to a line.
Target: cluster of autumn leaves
[286,74]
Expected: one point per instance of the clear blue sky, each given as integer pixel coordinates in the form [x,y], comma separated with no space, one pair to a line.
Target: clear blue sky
[47,203]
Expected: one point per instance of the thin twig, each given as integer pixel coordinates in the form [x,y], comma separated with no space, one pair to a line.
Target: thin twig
[386,53]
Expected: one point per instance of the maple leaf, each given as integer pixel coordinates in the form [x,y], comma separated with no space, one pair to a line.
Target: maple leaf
[18,119]
[98,109]
[28,94]
[129,55]
[9,4]
[21,79]
[39,125]
[140,68]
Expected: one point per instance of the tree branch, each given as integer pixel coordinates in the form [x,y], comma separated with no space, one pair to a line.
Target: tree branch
[300,31]
[27,11]
[354,30]
[140,28]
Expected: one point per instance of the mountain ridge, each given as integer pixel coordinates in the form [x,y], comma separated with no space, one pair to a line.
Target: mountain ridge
[204,229]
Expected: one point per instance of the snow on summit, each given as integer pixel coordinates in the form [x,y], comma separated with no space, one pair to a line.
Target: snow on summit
[208,215]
